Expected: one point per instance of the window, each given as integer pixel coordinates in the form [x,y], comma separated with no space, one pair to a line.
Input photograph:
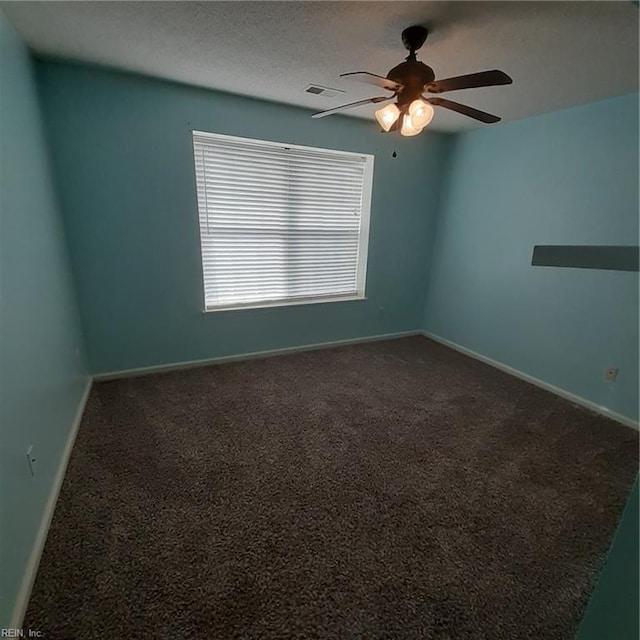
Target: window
[280,224]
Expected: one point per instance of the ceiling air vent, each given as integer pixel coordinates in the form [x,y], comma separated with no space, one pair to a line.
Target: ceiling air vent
[326,92]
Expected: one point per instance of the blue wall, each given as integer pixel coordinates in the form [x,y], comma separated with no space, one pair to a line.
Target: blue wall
[569,177]
[613,611]
[42,376]
[123,154]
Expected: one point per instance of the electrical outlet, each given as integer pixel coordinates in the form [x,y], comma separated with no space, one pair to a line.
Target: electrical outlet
[31,459]
[611,373]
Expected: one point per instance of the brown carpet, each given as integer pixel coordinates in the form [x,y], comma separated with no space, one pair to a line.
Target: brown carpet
[389,490]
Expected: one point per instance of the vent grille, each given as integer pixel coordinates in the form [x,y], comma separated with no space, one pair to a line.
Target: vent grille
[326,92]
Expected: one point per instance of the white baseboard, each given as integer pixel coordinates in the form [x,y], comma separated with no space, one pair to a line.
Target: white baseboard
[22,599]
[567,395]
[255,355]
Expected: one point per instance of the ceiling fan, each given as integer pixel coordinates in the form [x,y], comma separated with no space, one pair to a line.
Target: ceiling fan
[411,82]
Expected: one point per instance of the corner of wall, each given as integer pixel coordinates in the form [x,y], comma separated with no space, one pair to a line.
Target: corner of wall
[445,174]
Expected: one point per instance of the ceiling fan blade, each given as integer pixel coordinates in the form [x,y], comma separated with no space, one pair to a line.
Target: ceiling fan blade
[471,81]
[328,112]
[476,114]
[372,78]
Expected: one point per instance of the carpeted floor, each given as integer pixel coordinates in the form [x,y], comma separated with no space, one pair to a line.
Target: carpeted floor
[389,490]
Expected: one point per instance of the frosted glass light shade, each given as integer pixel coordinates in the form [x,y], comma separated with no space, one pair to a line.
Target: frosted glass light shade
[421,113]
[408,128]
[387,116]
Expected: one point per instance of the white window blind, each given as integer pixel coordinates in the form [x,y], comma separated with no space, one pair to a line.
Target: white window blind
[280,224]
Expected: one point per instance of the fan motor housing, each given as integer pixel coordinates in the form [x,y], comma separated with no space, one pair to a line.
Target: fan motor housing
[413,76]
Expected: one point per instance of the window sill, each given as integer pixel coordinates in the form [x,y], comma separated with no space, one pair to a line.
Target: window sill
[283,303]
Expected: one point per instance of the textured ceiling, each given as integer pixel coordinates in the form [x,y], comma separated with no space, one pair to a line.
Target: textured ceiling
[560,54]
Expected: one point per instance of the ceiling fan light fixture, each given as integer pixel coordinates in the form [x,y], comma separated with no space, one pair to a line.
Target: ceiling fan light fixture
[408,127]
[387,116]
[421,113]
[411,79]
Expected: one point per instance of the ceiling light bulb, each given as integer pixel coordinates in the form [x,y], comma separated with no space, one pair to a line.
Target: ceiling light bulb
[387,116]
[421,113]
[408,128]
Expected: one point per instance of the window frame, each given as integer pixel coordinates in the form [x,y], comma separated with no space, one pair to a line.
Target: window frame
[363,237]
